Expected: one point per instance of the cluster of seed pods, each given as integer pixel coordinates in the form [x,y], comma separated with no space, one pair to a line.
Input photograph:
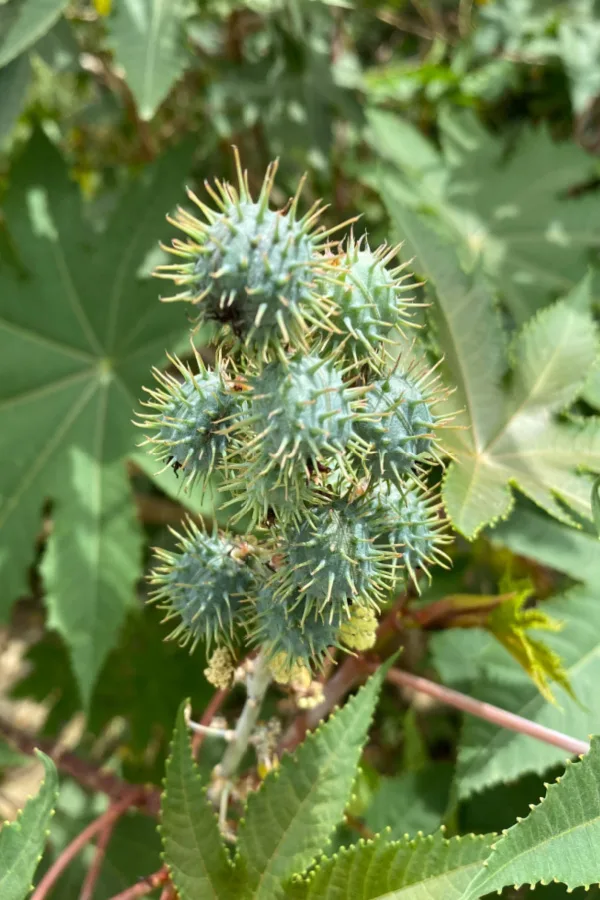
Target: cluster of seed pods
[307,427]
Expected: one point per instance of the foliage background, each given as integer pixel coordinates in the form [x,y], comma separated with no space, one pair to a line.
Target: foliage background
[471,130]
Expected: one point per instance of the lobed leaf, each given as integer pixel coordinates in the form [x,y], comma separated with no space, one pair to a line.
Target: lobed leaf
[101,561]
[14,81]
[290,818]
[514,214]
[426,868]
[514,436]
[559,839]
[22,841]
[147,36]
[194,850]
[22,22]
[533,534]
[73,307]
[511,623]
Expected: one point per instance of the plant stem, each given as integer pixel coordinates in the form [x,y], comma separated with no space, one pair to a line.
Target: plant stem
[93,873]
[98,826]
[224,733]
[257,683]
[145,886]
[486,711]
[216,701]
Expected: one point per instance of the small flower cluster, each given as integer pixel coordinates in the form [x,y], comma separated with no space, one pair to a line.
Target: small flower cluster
[313,432]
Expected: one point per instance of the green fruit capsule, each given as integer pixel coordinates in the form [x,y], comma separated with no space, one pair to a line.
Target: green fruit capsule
[204,584]
[301,414]
[331,560]
[189,429]
[412,527]
[369,301]
[292,633]
[397,428]
[251,269]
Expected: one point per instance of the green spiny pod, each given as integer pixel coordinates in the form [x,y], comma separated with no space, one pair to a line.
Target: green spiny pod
[262,493]
[331,561]
[249,268]
[193,414]
[396,429]
[204,584]
[412,527]
[291,633]
[302,415]
[368,302]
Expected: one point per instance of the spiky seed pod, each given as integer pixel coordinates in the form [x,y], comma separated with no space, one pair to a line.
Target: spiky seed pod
[413,527]
[263,493]
[189,429]
[331,561]
[302,414]
[359,631]
[397,428]
[290,634]
[368,302]
[249,268]
[203,583]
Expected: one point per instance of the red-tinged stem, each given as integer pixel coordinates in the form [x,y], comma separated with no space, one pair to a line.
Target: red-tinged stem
[486,711]
[93,873]
[144,886]
[168,893]
[107,819]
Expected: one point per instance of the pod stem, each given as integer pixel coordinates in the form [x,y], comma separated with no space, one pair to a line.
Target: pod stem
[256,685]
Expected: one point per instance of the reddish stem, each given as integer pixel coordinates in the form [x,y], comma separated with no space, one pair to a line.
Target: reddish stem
[107,819]
[93,873]
[168,893]
[144,886]
[486,711]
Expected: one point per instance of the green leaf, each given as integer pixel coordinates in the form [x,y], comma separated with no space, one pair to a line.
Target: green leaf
[512,436]
[22,22]
[579,48]
[533,240]
[410,802]
[531,533]
[194,851]
[557,841]
[596,504]
[513,213]
[468,329]
[290,818]
[79,332]
[427,868]
[511,623]
[14,81]
[147,36]
[490,755]
[100,562]
[22,842]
